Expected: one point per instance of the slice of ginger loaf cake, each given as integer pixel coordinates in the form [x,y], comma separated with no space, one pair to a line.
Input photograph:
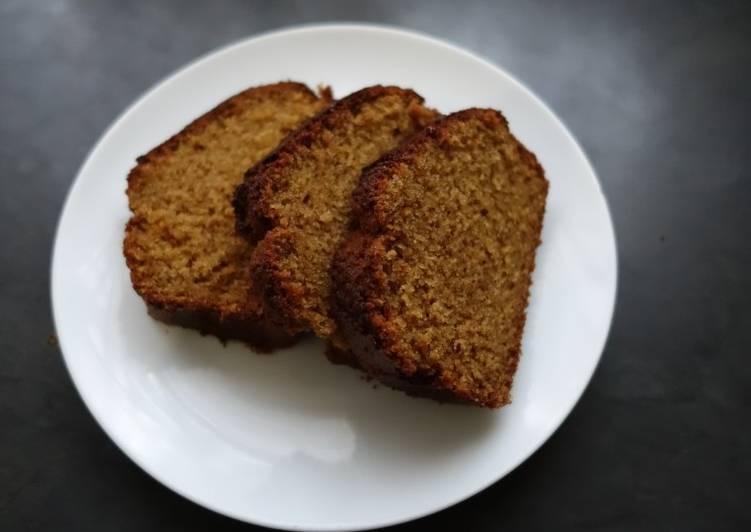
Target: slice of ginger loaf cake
[185,259]
[432,284]
[296,203]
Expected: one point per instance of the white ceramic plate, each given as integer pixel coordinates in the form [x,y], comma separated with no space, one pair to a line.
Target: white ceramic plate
[288,440]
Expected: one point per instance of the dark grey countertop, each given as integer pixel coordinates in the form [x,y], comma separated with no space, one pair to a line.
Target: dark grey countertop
[658,94]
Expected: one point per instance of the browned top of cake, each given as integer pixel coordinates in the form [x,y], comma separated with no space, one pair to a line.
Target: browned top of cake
[296,203]
[432,287]
[180,244]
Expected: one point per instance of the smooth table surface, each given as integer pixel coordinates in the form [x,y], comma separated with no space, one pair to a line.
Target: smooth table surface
[659,95]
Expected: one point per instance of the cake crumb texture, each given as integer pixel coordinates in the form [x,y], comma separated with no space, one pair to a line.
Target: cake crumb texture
[432,285]
[185,259]
[296,203]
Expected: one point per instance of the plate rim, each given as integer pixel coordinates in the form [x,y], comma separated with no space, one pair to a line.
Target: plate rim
[389,30]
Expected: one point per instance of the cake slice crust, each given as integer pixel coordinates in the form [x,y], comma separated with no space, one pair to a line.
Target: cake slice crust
[185,259]
[432,284]
[296,203]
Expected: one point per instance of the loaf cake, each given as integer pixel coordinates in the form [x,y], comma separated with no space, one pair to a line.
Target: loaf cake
[185,259]
[432,282]
[295,205]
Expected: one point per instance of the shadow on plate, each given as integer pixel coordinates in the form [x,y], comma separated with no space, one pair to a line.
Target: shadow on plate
[294,401]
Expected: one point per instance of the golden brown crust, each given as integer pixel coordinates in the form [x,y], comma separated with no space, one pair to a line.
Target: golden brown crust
[248,323]
[282,295]
[361,273]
